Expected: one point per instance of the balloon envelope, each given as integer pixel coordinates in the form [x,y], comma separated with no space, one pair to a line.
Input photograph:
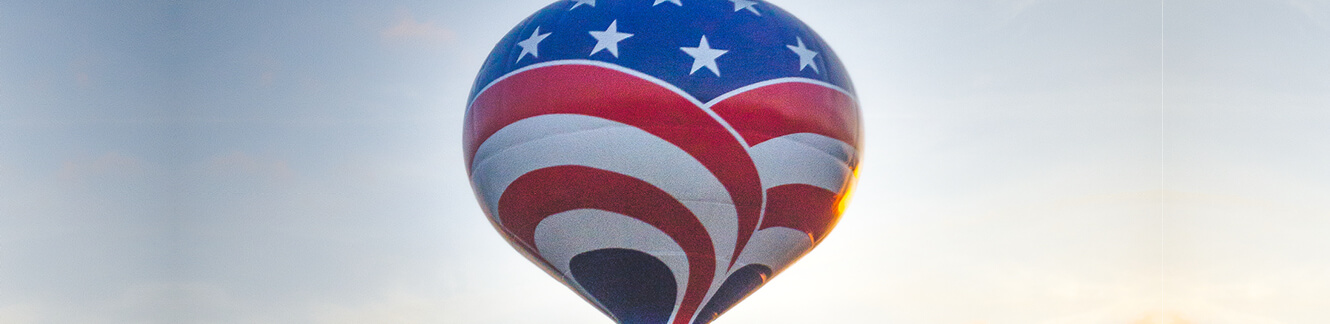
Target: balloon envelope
[662,158]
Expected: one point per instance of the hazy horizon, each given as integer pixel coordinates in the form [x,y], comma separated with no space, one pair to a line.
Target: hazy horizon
[1026,161]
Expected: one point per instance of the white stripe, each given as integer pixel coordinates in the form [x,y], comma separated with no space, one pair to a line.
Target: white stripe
[804,158]
[563,236]
[566,139]
[751,87]
[776,247]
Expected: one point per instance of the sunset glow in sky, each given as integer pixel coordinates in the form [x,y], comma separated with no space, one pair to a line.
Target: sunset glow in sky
[1026,161]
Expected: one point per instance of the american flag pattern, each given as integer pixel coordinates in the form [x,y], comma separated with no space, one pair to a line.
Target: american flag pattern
[663,158]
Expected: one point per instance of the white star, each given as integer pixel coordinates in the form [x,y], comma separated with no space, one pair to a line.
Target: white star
[670,1]
[805,55]
[609,39]
[704,55]
[745,4]
[531,45]
[582,2]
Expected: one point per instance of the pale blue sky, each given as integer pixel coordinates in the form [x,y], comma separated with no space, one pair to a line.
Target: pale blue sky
[1245,118]
[1026,161]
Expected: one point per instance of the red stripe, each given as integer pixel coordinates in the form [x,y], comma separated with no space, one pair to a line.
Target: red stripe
[544,192]
[621,97]
[807,208]
[788,108]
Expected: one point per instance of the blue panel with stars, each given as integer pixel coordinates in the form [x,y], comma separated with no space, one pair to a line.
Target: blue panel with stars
[705,47]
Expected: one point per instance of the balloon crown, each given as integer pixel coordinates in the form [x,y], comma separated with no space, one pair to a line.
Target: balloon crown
[753,42]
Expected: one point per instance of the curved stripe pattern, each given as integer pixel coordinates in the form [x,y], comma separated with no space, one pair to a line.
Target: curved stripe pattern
[567,139]
[628,97]
[549,191]
[736,287]
[617,165]
[804,158]
[776,248]
[570,139]
[562,236]
[791,107]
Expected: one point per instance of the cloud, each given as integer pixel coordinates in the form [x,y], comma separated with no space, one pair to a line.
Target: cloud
[173,301]
[109,164]
[83,68]
[1313,13]
[398,307]
[241,163]
[146,302]
[1010,9]
[1162,318]
[409,31]
[19,314]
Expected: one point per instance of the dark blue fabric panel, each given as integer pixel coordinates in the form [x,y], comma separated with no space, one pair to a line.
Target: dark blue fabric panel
[634,286]
[739,285]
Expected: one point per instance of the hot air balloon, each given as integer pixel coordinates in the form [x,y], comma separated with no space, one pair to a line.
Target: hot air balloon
[662,158]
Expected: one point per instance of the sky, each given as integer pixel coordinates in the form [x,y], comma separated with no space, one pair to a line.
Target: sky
[1026,161]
